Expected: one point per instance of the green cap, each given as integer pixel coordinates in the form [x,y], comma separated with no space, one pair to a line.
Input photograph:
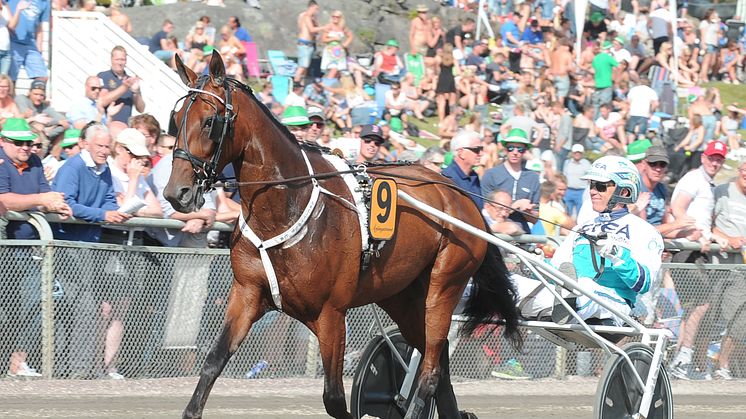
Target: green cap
[619,39]
[636,150]
[71,138]
[606,45]
[691,98]
[17,129]
[295,115]
[597,17]
[392,43]
[517,135]
[396,125]
[208,49]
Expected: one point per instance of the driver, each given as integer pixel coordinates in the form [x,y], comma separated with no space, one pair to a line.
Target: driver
[617,267]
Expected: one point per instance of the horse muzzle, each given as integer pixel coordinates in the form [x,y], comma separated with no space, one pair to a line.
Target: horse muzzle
[185,199]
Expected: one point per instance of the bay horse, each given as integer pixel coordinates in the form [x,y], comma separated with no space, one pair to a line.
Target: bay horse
[417,279]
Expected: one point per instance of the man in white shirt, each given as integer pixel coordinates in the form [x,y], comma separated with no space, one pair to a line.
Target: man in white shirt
[660,26]
[610,127]
[642,103]
[618,51]
[295,97]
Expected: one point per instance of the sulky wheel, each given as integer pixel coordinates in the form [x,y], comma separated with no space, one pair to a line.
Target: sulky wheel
[619,394]
[378,380]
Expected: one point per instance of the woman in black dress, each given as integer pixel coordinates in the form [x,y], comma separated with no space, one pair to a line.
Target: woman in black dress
[445,90]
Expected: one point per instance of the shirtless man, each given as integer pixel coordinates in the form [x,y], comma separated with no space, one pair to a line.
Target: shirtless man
[419,31]
[560,67]
[308,27]
[587,56]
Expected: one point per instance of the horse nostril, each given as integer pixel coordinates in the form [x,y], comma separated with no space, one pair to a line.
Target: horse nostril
[184,194]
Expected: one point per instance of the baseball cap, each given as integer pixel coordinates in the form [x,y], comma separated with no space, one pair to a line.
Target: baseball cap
[597,17]
[716,148]
[392,43]
[38,84]
[316,112]
[655,154]
[577,148]
[372,131]
[134,141]
[70,138]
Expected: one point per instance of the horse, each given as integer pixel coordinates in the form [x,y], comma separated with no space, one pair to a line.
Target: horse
[317,275]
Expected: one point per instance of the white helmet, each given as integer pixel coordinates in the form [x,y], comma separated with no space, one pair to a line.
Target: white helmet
[622,172]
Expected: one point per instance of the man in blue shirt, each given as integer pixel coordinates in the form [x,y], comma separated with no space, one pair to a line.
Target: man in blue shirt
[120,88]
[512,177]
[532,34]
[86,109]
[26,37]
[240,32]
[467,150]
[511,32]
[23,186]
[86,182]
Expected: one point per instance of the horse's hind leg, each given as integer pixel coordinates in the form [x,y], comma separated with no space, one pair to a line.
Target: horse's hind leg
[242,311]
[330,329]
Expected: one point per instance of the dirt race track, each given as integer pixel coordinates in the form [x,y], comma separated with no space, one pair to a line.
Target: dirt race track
[295,398]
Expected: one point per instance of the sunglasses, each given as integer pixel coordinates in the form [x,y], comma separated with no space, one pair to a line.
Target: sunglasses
[371,140]
[95,88]
[18,143]
[658,165]
[601,186]
[475,150]
[318,124]
[518,148]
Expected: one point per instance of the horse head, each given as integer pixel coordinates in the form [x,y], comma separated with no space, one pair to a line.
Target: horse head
[203,127]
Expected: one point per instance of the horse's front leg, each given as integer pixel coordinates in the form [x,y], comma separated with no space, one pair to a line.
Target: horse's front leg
[242,311]
[330,329]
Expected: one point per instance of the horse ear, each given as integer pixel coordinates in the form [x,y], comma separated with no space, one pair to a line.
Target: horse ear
[217,68]
[188,76]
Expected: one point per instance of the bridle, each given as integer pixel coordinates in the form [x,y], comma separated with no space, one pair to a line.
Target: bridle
[220,129]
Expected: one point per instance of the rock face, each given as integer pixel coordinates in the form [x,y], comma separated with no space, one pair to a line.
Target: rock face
[274,25]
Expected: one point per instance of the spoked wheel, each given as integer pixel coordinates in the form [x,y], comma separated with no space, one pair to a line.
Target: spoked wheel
[378,380]
[619,394]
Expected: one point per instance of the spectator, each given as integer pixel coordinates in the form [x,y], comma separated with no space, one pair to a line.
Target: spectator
[661,25]
[315,95]
[130,164]
[552,218]
[40,114]
[574,169]
[371,139]
[86,182]
[232,50]
[458,36]
[165,146]
[86,108]
[610,128]
[23,187]
[730,58]
[420,29]
[708,29]
[317,125]
[436,40]
[511,32]
[512,177]
[238,31]
[148,127]
[159,44]
[120,88]
[433,159]
[603,65]
[337,37]
[296,97]
[296,120]
[120,19]
[730,224]
[308,29]
[643,101]
[496,214]
[5,53]
[729,125]
[195,43]
[467,152]
[693,197]
[640,59]
[561,64]
[445,90]
[387,65]
[8,107]
[26,37]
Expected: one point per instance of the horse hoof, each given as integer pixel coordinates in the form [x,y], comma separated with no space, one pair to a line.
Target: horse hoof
[467,415]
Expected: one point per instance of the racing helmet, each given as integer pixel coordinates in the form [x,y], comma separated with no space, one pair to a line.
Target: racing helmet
[622,172]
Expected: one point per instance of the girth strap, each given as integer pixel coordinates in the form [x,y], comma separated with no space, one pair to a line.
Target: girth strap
[282,237]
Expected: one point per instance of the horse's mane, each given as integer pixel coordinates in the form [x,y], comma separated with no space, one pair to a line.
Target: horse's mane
[288,136]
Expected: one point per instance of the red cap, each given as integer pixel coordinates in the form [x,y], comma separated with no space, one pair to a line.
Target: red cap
[716,147]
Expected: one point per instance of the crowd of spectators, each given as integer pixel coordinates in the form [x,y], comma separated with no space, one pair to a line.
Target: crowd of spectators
[516,118]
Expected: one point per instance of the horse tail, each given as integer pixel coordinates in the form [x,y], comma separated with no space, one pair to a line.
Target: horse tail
[493,295]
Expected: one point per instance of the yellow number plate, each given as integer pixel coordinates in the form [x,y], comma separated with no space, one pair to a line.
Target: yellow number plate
[383,209]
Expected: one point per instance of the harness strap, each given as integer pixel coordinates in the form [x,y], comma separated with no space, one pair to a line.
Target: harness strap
[280,238]
[195,90]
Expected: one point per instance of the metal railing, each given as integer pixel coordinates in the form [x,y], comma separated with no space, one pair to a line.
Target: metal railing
[64,303]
